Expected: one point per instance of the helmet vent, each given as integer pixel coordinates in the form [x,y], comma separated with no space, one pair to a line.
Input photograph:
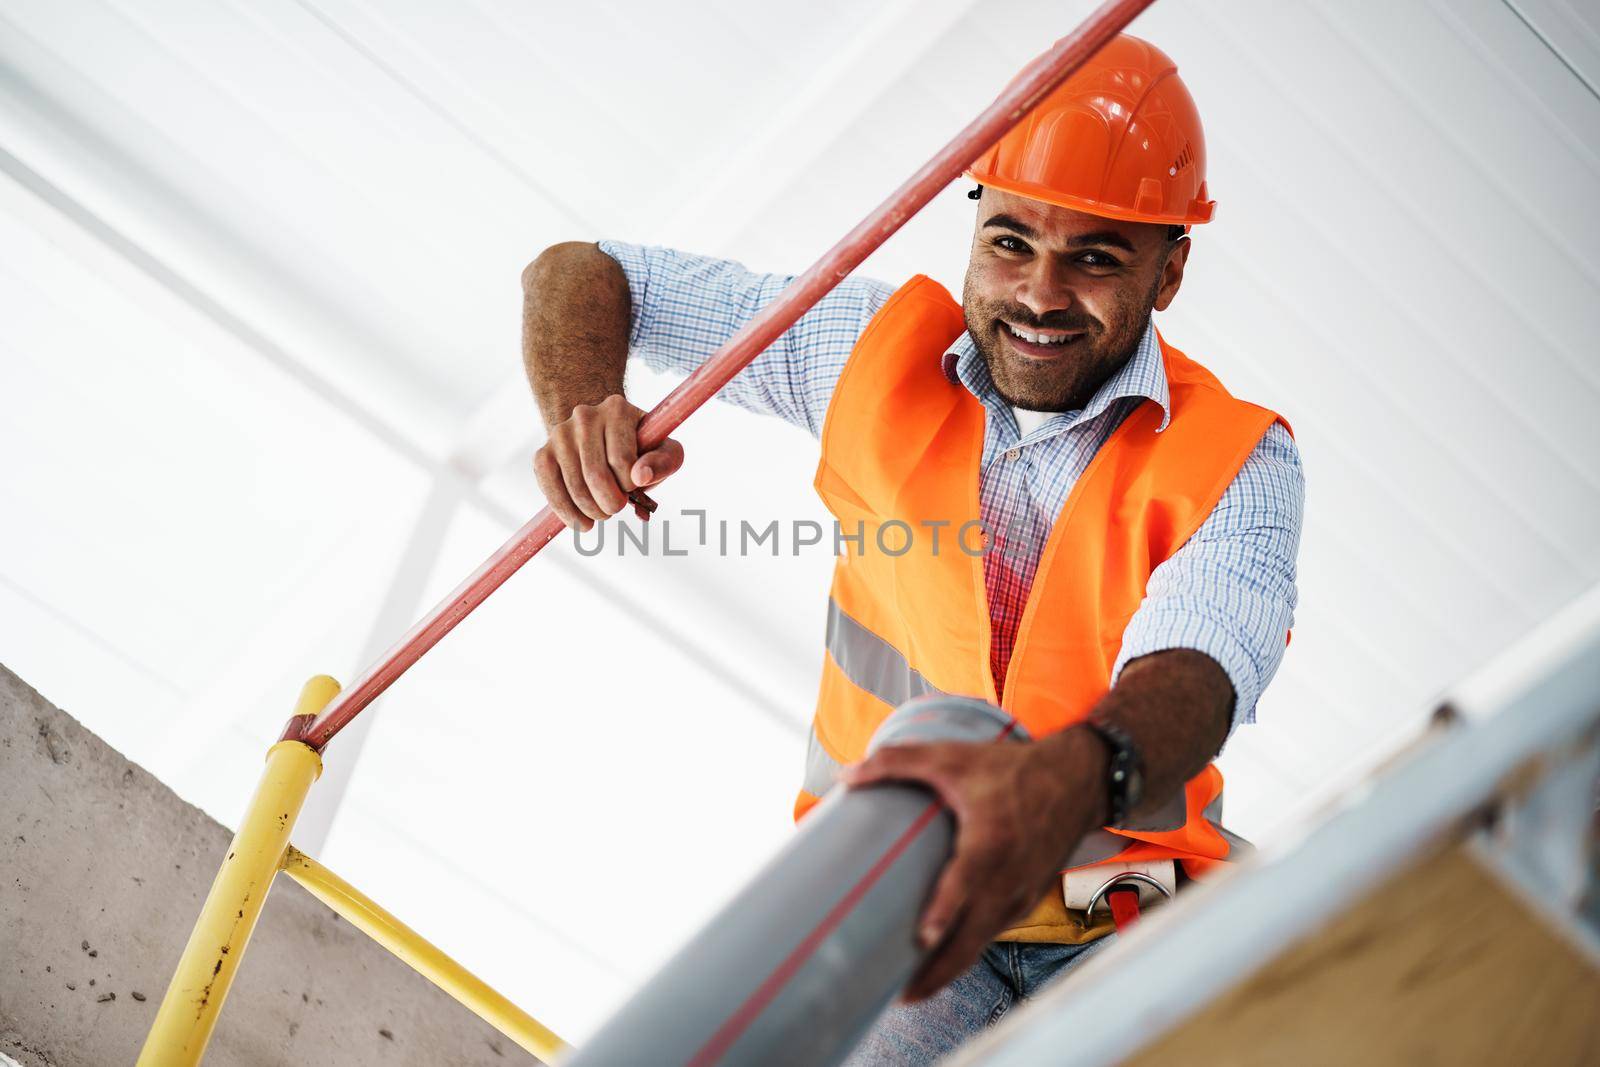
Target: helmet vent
[1185,158]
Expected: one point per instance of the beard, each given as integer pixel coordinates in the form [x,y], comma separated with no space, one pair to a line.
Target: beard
[1068,378]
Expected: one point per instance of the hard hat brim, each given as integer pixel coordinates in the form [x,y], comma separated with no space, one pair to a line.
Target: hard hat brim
[1200,211]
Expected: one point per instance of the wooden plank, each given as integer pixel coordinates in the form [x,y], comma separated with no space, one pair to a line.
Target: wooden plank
[1441,965]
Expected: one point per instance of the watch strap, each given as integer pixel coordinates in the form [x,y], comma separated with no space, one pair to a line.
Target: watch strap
[1124,771]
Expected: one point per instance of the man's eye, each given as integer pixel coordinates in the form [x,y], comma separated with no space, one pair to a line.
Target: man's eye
[1010,244]
[1098,259]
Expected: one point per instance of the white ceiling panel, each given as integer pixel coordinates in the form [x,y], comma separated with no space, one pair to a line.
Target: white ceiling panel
[1569,29]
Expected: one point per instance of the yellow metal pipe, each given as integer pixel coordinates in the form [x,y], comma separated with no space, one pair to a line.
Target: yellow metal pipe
[423,957]
[205,971]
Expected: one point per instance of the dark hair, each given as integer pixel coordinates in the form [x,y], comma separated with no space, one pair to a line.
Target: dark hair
[1174,233]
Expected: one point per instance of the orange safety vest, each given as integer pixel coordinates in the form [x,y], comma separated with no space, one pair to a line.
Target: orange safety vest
[908,613]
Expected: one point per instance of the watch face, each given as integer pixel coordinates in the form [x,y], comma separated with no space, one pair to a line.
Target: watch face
[1133,790]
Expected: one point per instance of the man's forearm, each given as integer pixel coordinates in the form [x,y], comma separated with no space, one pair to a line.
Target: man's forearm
[1177,706]
[575,318]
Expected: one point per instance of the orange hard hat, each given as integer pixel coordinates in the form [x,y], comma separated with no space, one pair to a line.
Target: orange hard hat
[1121,138]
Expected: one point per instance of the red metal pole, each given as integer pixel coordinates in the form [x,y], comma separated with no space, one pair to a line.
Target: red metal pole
[1044,74]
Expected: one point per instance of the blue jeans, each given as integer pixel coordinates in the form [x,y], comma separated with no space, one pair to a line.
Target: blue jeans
[914,1035]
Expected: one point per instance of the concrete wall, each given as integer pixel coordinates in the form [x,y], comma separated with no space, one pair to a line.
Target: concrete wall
[102,871]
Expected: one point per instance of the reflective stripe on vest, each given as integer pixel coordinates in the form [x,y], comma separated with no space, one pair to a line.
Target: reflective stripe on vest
[871,662]
[903,444]
[822,770]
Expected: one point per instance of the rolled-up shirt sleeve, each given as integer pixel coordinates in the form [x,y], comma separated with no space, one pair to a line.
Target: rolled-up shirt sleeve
[1230,590]
[686,306]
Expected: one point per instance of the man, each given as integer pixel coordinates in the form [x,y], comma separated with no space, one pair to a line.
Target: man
[1139,585]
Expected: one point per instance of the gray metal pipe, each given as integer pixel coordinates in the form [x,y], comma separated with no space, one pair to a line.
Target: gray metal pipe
[795,969]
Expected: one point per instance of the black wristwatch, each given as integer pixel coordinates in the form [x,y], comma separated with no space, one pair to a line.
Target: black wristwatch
[1124,772]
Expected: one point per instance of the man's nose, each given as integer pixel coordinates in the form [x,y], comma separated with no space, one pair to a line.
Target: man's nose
[1043,289]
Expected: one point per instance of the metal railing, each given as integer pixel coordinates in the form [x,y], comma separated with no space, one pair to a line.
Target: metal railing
[259,851]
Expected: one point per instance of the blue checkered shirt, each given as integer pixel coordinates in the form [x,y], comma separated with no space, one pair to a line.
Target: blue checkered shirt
[1228,592]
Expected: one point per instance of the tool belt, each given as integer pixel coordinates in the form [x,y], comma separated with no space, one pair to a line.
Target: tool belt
[1064,916]
[1085,889]
[1121,888]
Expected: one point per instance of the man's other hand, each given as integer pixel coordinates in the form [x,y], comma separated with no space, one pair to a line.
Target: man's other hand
[591,462]
[1019,810]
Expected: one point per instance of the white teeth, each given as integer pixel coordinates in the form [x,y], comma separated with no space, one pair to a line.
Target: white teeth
[1039,338]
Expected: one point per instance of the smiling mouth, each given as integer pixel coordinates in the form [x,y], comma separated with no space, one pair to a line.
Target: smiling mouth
[1038,344]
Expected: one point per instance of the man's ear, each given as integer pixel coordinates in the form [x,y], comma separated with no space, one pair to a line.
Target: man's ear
[1172,273]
